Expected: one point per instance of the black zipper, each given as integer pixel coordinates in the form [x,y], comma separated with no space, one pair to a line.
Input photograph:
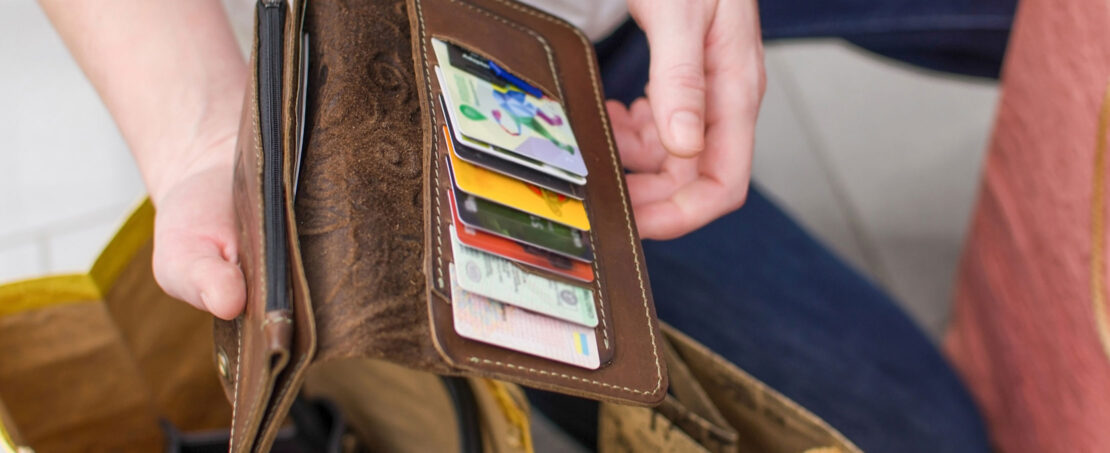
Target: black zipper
[271,24]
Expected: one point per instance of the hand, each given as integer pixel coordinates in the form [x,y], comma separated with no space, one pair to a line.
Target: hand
[177,102]
[689,144]
[195,237]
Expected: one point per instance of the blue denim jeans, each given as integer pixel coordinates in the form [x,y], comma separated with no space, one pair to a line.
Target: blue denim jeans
[757,289]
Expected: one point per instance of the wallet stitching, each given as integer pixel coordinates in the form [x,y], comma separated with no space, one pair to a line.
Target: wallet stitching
[435,144]
[600,297]
[616,169]
[609,138]
[435,137]
[261,258]
[284,319]
[543,42]
[238,367]
[560,375]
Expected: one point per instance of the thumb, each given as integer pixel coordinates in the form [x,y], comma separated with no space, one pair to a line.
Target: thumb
[194,270]
[676,36]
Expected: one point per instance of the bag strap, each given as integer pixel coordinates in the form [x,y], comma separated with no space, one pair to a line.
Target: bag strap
[466,414]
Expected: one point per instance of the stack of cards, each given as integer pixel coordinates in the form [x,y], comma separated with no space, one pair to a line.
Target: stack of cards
[520,237]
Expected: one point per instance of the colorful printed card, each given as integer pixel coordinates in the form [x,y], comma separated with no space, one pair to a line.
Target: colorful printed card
[509,118]
[500,153]
[481,319]
[497,163]
[514,193]
[499,279]
[520,226]
[520,252]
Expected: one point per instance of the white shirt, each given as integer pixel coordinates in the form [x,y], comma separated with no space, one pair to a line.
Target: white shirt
[598,18]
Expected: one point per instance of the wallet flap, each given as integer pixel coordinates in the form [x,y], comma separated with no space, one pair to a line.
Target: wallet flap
[265,351]
[636,372]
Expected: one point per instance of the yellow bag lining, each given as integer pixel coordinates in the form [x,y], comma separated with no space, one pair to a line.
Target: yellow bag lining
[7,445]
[40,292]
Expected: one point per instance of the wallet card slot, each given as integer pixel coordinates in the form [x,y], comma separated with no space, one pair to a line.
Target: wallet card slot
[636,372]
[602,332]
[519,50]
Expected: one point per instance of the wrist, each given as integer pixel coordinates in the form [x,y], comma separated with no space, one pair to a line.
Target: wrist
[209,150]
[198,135]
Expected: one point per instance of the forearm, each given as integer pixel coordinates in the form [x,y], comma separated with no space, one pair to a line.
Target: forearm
[169,72]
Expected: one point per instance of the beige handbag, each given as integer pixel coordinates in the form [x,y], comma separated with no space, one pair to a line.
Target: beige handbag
[105,361]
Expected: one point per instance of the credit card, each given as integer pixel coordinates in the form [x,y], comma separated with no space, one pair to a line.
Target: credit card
[509,118]
[481,319]
[515,193]
[499,152]
[520,226]
[302,102]
[490,161]
[472,63]
[499,279]
[519,252]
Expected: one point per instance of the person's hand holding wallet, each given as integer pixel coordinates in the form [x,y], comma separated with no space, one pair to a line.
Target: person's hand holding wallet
[172,77]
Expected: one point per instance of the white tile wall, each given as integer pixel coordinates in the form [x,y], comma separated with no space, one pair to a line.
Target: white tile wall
[68,178]
[21,261]
[904,147]
[790,168]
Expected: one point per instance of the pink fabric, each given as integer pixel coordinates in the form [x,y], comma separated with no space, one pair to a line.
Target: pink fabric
[1024,330]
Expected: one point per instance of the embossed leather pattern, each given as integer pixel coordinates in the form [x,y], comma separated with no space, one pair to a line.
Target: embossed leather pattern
[370,243]
[360,201]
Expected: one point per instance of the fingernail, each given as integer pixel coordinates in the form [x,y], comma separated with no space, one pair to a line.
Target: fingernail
[204,299]
[687,131]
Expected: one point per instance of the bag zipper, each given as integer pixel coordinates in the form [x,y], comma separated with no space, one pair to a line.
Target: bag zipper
[271,21]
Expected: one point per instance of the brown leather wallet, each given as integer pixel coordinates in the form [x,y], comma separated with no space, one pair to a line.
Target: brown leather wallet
[355,264]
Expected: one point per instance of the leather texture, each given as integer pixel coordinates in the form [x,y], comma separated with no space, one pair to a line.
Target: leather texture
[267,351]
[368,239]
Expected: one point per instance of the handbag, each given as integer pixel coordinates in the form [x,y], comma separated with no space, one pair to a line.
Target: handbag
[106,361]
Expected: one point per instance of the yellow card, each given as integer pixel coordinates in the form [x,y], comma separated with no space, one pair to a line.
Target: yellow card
[517,194]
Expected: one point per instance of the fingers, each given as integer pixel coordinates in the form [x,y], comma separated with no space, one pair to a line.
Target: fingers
[680,198]
[675,173]
[676,32]
[195,243]
[636,136]
[195,270]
